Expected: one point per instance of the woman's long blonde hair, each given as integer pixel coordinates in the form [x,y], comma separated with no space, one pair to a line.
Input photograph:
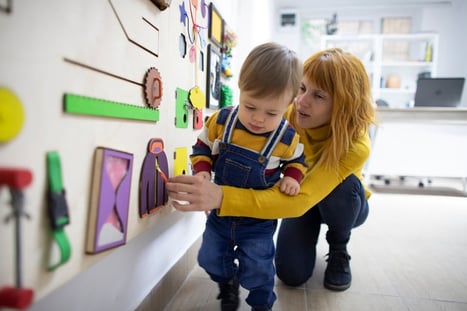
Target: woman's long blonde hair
[343,76]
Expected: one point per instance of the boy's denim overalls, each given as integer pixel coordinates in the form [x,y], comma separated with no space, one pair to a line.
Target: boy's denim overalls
[249,240]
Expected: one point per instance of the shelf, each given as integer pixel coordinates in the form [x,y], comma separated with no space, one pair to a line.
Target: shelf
[407,64]
[398,58]
[388,90]
[410,37]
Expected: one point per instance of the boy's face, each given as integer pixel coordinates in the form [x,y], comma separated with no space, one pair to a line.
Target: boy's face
[262,115]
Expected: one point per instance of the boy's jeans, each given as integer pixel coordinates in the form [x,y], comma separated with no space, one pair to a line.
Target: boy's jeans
[248,240]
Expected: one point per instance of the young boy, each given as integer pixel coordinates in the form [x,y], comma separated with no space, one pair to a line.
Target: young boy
[250,146]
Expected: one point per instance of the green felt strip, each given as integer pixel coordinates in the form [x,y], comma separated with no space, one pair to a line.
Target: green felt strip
[65,249]
[181,112]
[99,107]
[54,172]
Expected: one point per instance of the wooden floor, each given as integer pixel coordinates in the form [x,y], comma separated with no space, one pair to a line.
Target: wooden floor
[411,254]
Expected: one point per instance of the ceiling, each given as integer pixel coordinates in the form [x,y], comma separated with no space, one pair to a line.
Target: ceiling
[354,4]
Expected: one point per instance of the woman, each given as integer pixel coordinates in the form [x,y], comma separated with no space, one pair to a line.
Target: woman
[332,113]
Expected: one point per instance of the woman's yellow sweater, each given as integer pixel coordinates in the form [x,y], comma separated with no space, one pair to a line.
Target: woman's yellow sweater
[316,184]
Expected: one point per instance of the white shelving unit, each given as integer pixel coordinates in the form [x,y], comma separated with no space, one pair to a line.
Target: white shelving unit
[393,62]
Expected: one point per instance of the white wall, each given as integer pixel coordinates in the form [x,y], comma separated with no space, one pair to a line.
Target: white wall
[35,38]
[121,280]
[448,23]
[254,25]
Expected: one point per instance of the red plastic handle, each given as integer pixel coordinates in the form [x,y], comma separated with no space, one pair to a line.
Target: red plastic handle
[15,178]
[16,298]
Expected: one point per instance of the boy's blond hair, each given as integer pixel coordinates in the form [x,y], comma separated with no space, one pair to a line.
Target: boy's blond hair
[271,69]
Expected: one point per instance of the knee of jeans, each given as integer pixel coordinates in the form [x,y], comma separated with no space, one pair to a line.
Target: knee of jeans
[351,182]
[351,186]
[291,280]
[292,277]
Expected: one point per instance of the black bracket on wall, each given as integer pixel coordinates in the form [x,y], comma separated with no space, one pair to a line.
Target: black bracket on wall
[6,7]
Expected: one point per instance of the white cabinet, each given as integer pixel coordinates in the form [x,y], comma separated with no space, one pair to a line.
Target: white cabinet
[420,142]
[393,62]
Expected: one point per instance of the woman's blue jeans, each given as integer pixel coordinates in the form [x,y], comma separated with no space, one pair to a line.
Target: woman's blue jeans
[248,241]
[342,210]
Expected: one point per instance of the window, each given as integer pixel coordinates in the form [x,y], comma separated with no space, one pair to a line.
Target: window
[313,29]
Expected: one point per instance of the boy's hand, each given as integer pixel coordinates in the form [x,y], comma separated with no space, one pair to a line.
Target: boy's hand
[289,186]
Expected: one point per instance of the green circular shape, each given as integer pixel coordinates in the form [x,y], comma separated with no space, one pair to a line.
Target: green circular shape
[11,115]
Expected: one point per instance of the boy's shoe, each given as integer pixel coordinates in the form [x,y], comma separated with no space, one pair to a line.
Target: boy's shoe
[229,295]
[337,276]
[261,309]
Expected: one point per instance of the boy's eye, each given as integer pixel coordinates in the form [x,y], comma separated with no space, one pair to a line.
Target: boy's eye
[250,107]
[272,114]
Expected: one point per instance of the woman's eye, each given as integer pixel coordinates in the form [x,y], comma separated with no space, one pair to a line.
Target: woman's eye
[319,96]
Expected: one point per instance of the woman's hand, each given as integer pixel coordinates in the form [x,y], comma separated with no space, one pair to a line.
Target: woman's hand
[199,193]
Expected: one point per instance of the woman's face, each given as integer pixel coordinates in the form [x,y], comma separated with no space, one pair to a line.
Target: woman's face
[313,106]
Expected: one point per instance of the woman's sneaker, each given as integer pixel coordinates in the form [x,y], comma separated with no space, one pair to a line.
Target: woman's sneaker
[337,276]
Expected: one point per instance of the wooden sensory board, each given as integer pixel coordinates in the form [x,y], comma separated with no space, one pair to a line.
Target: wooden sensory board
[100,50]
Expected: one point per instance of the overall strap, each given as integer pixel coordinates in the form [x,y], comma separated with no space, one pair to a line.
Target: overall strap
[229,125]
[274,139]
